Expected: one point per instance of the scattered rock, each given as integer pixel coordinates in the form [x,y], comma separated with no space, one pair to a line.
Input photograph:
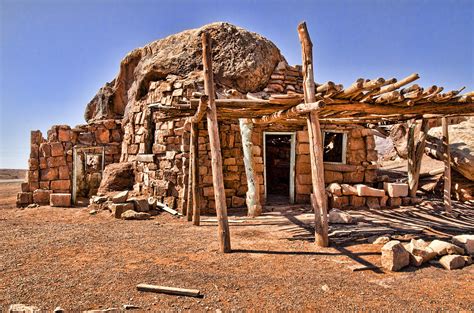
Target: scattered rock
[452,261]
[468,260]
[335,189]
[443,248]
[420,252]
[141,204]
[325,288]
[109,310]
[339,217]
[22,308]
[92,212]
[121,197]
[98,199]
[133,215]
[32,206]
[119,208]
[379,240]
[394,256]
[366,191]
[58,310]
[466,242]
[130,307]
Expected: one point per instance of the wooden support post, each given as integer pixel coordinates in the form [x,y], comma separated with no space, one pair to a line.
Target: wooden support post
[447,166]
[315,142]
[253,191]
[192,149]
[416,149]
[195,173]
[216,156]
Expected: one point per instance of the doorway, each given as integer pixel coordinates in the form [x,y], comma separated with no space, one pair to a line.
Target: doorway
[279,166]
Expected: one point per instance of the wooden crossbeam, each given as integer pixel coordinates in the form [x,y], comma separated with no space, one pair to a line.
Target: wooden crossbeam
[292,112]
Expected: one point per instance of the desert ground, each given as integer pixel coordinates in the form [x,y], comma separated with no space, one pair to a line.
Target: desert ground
[67,257]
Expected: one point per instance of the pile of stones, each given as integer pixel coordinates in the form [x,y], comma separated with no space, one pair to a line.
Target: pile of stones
[454,255]
[121,205]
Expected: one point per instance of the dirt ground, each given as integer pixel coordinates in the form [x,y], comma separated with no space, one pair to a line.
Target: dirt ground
[66,257]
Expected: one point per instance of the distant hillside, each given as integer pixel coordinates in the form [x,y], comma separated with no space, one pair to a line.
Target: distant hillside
[6,173]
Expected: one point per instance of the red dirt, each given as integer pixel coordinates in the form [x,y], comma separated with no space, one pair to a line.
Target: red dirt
[65,257]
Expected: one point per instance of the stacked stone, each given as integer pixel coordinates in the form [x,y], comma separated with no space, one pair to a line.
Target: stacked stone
[285,79]
[175,89]
[51,161]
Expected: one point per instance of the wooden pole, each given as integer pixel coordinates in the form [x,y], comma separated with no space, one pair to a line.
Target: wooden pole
[195,174]
[315,142]
[416,149]
[447,166]
[216,156]
[192,164]
[253,193]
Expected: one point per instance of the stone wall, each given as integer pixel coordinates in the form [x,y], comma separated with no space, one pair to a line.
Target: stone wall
[50,164]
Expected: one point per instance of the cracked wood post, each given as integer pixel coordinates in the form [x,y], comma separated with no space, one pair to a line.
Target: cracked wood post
[447,166]
[315,141]
[416,149]
[192,166]
[195,173]
[216,156]
[253,193]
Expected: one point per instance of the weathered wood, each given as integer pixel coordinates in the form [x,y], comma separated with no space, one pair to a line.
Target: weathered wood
[192,149]
[166,208]
[169,290]
[254,206]
[432,173]
[447,166]
[214,141]
[416,148]
[194,157]
[292,112]
[399,84]
[201,109]
[316,146]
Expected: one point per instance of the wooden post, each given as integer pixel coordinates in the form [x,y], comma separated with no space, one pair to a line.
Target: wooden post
[195,173]
[416,149]
[192,151]
[216,156]
[447,166]
[315,142]
[253,193]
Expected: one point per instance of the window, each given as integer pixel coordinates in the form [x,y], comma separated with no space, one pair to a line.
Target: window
[334,146]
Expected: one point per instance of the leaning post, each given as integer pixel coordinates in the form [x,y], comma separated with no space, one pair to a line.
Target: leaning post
[315,141]
[216,156]
[447,166]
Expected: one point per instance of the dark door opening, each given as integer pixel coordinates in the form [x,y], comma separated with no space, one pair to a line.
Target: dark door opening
[277,163]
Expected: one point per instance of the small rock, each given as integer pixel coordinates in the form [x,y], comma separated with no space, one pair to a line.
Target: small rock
[325,288]
[32,206]
[97,199]
[58,310]
[394,256]
[468,260]
[335,189]
[130,307]
[443,248]
[118,208]
[465,241]
[121,197]
[22,308]
[92,212]
[339,217]
[452,261]
[379,240]
[133,215]
[420,252]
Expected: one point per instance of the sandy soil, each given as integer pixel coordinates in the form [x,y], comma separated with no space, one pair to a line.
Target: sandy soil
[66,257]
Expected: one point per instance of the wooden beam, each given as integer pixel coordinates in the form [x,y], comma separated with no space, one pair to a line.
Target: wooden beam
[416,149]
[254,206]
[447,166]
[214,141]
[195,173]
[169,290]
[315,141]
[300,109]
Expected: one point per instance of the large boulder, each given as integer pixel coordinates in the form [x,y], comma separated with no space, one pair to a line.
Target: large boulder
[461,145]
[117,177]
[242,60]
[394,256]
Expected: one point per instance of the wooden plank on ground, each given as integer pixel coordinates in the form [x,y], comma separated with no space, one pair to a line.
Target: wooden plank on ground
[169,290]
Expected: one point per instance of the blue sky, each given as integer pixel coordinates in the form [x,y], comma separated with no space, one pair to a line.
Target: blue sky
[56,54]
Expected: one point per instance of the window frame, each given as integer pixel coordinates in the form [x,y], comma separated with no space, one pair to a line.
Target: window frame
[344,145]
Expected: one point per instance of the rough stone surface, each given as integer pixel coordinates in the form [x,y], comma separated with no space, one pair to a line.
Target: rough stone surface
[452,261]
[41,196]
[253,61]
[117,177]
[348,190]
[366,191]
[396,189]
[119,208]
[420,252]
[120,197]
[443,247]
[335,189]
[60,199]
[394,256]
[466,242]
[339,217]
[22,308]
[133,215]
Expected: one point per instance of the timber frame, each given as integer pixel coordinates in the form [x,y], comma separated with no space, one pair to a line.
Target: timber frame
[368,102]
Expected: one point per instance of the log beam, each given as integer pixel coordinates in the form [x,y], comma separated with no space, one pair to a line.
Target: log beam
[254,206]
[300,109]
[447,166]
[316,146]
[214,141]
